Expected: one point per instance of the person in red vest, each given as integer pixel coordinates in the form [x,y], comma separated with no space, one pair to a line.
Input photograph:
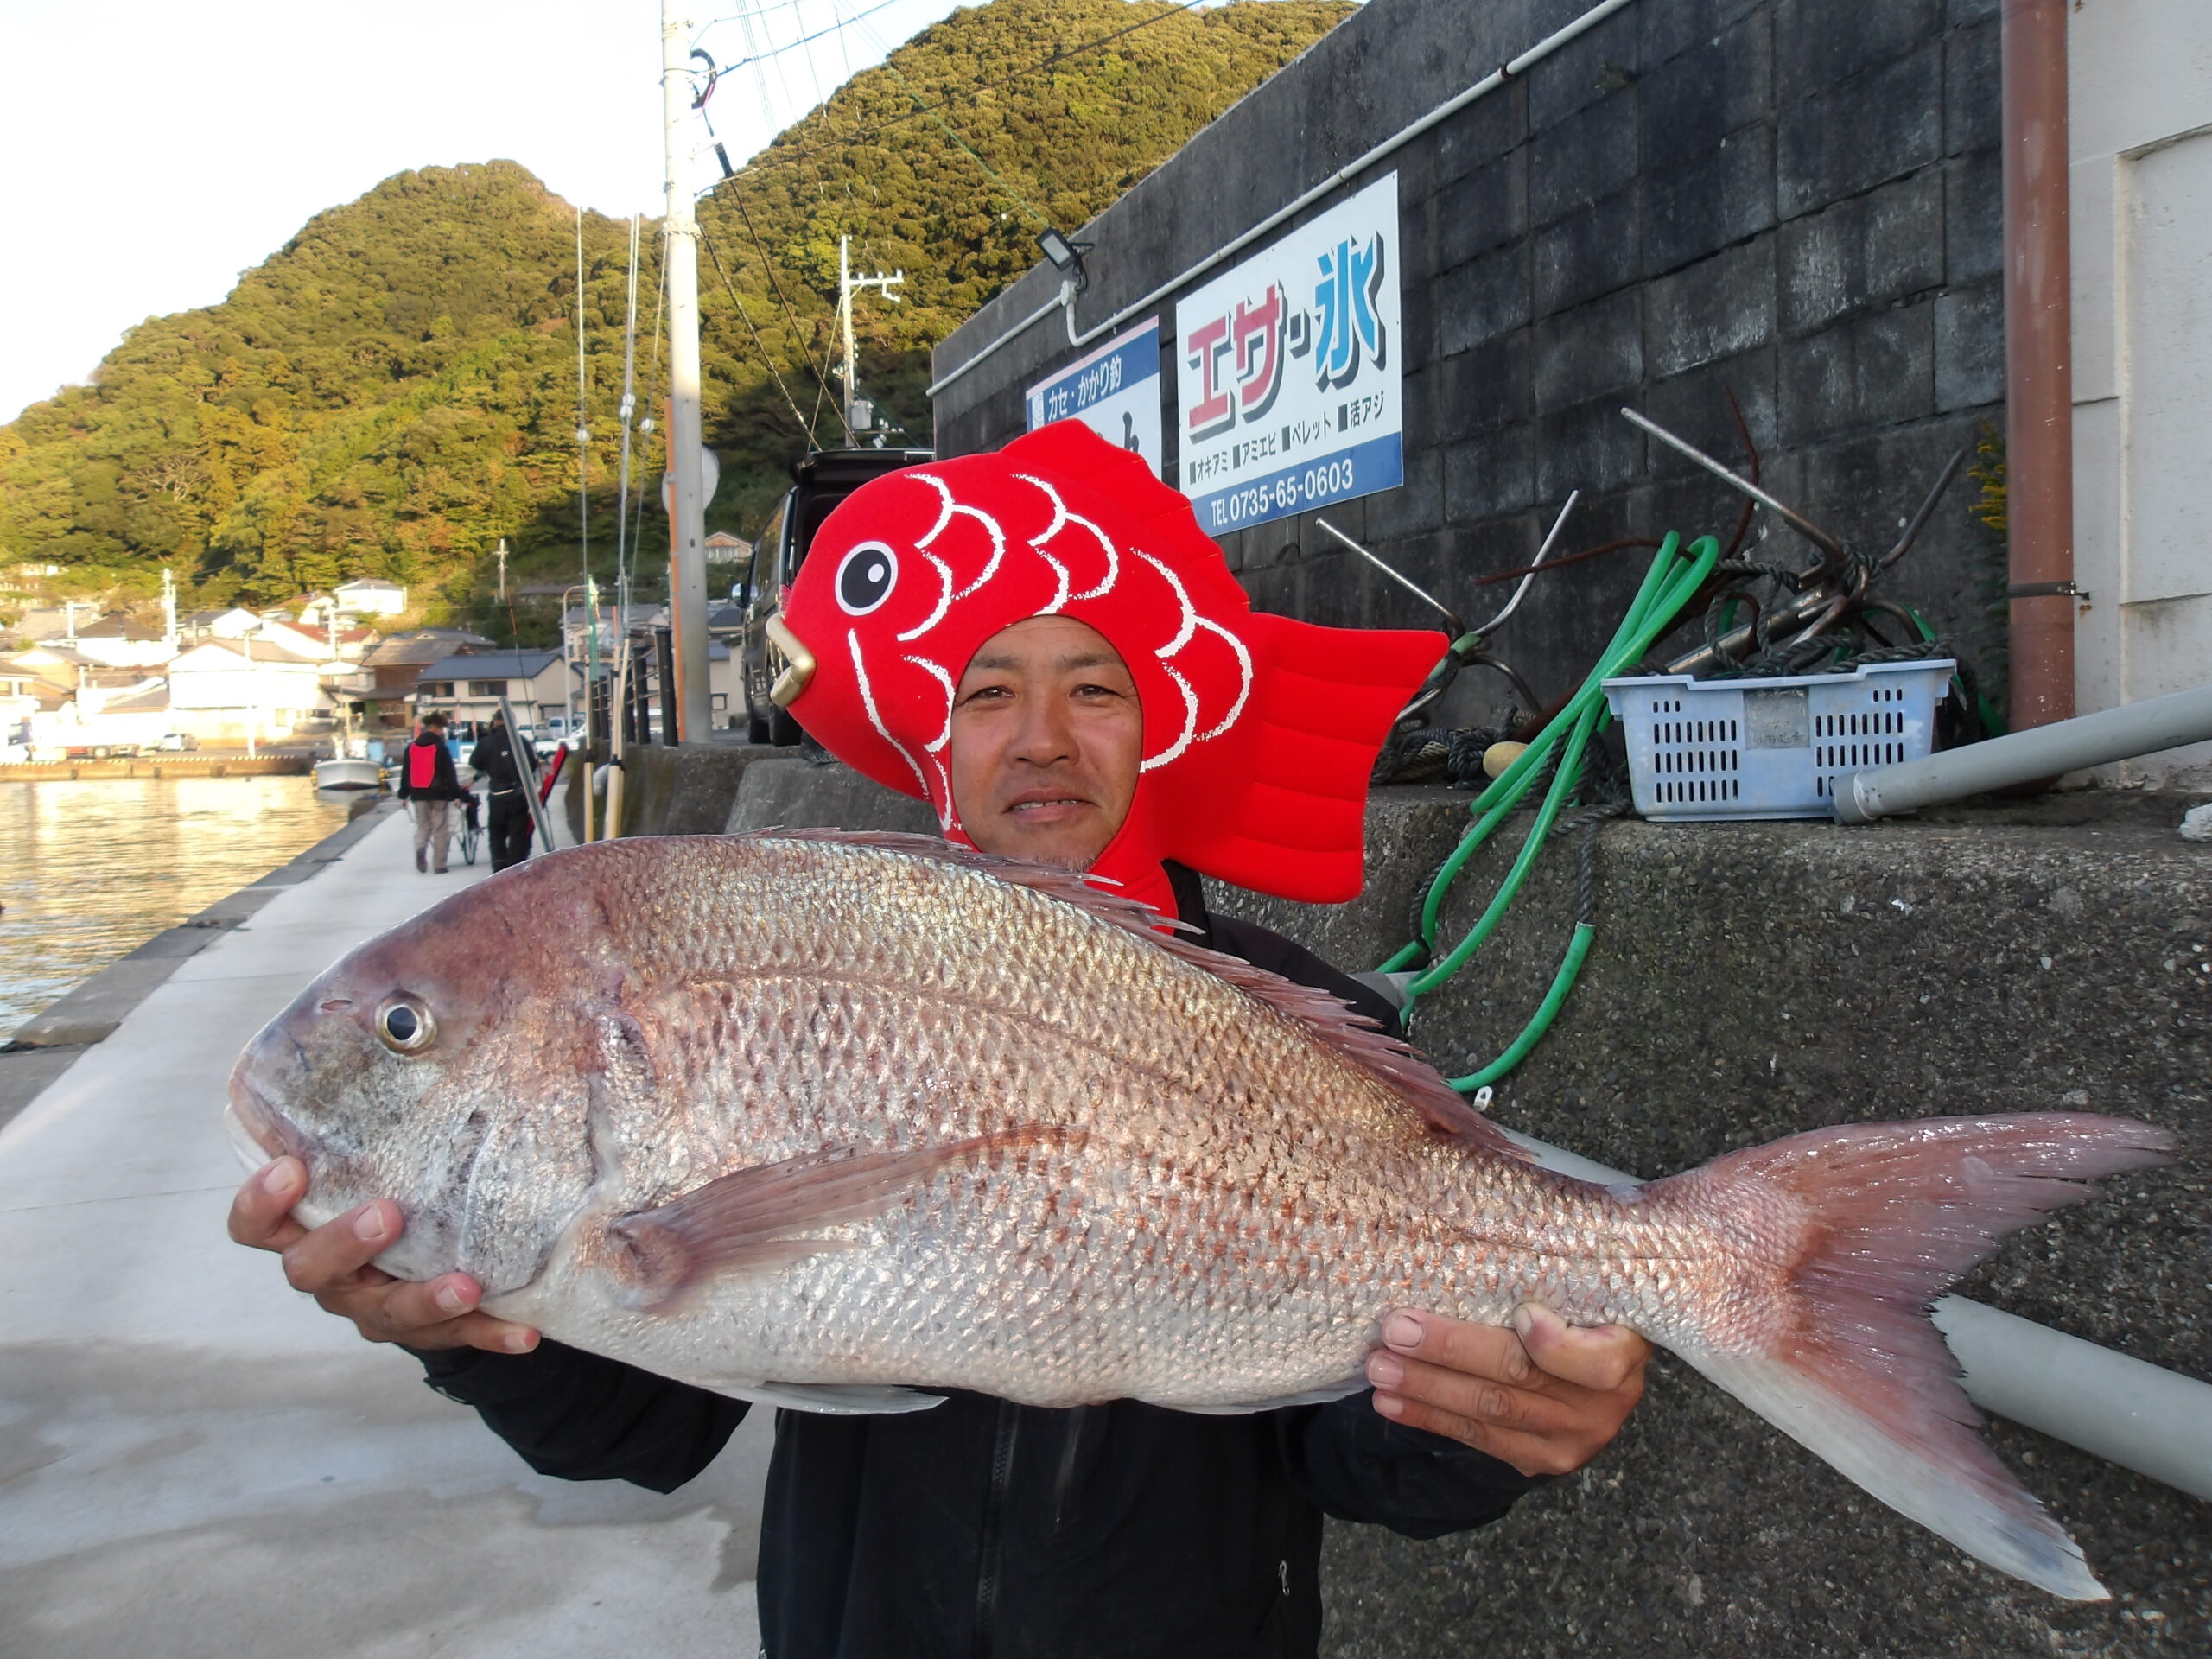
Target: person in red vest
[426,777]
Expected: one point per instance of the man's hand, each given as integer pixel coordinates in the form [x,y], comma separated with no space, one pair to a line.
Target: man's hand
[1544,1396]
[332,1263]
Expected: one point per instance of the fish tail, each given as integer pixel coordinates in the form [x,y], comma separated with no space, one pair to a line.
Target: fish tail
[1847,1236]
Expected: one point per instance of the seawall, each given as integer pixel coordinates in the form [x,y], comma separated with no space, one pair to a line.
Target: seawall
[157,767]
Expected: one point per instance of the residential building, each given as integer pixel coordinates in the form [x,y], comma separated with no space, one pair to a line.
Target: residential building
[2139,224]
[372,596]
[396,663]
[120,640]
[222,690]
[468,688]
[722,547]
[304,637]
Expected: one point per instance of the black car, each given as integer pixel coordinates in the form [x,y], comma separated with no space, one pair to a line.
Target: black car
[819,483]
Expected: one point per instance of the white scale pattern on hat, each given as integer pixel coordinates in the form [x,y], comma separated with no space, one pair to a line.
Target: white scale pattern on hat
[1189,623]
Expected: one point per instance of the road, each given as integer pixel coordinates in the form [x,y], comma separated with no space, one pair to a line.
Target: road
[195,1461]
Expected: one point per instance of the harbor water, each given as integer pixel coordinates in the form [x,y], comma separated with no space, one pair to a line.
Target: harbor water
[90,870]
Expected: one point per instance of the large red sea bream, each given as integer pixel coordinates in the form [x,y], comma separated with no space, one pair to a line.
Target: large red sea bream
[834,1122]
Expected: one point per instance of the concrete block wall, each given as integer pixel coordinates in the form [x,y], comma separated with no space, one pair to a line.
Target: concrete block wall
[1793,200]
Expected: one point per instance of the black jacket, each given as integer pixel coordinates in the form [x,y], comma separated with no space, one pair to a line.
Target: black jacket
[444,785]
[494,758]
[980,1527]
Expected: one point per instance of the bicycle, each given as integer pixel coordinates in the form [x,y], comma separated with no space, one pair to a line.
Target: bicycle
[472,829]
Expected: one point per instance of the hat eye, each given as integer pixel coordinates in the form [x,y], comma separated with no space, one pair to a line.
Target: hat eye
[404,1026]
[866,578]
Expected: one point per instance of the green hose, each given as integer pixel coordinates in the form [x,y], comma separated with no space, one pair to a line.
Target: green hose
[1532,1032]
[1667,587]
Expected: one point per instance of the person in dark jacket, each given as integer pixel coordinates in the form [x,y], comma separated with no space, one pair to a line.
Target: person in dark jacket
[427,778]
[494,759]
[984,1526]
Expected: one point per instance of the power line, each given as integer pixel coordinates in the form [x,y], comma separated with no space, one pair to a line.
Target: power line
[908,86]
[791,318]
[747,318]
[862,135]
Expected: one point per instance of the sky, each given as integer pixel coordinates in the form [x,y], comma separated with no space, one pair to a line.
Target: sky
[153,151]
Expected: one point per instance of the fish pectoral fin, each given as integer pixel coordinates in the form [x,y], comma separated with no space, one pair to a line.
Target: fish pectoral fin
[754,1220]
[1320,1396]
[832,1398]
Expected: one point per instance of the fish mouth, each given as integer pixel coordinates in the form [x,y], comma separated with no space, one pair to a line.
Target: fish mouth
[253,1127]
[796,679]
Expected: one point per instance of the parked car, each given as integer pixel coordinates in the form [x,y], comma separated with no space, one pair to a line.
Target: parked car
[818,483]
[177,743]
[550,735]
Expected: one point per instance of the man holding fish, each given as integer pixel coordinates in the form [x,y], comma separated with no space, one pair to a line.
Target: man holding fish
[1116,1527]
[1098,1245]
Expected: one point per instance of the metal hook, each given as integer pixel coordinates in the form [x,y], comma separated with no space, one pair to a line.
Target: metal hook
[1529,575]
[1419,593]
[1798,521]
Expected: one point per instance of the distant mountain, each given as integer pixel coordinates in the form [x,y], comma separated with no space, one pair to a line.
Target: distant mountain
[394,390]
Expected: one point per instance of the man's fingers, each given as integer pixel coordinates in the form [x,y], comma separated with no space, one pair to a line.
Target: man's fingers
[477,1330]
[441,1313]
[1604,1357]
[1471,1398]
[404,1307]
[1488,1350]
[261,1211]
[1531,1455]
[328,1257]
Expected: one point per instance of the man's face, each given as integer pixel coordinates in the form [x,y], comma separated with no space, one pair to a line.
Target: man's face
[1046,739]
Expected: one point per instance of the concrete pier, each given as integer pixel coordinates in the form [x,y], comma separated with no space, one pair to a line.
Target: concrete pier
[198,1463]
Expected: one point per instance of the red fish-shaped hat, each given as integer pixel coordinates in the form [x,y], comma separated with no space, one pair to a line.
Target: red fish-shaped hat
[1259,731]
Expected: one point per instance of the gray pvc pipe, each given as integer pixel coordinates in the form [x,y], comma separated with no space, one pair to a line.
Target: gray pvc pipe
[2125,1410]
[2122,734]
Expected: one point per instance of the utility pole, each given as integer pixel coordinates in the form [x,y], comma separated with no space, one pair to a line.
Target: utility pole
[687,533]
[623,551]
[583,529]
[502,557]
[168,608]
[848,284]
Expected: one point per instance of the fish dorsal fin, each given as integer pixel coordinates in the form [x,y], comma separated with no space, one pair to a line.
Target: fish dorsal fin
[1333,1024]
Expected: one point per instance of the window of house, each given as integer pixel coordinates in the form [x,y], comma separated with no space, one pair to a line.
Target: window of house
[487,687]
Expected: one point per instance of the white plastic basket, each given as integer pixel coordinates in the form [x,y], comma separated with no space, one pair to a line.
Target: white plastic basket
[1763,749]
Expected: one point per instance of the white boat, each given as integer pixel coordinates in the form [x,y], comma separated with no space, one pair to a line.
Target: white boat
[343,772]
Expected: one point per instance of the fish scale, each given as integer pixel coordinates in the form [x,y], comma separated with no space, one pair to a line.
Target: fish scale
[826,1120]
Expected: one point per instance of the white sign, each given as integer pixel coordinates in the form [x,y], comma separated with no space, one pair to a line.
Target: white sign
[710,479]
[1287,371]
[1115,392]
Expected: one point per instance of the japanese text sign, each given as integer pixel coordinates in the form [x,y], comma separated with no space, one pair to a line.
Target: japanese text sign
[1115,392]
[1287,371]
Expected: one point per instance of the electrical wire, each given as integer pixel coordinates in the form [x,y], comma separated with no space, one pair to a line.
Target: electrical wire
[652,395]
[747,318]
[791,319]
[996,177]
[772,158]
[804,39]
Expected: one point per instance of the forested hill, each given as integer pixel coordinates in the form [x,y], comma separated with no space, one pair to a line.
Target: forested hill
[394,390]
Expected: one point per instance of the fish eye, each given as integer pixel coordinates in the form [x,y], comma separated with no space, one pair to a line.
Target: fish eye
[406,1025]
[866,577]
